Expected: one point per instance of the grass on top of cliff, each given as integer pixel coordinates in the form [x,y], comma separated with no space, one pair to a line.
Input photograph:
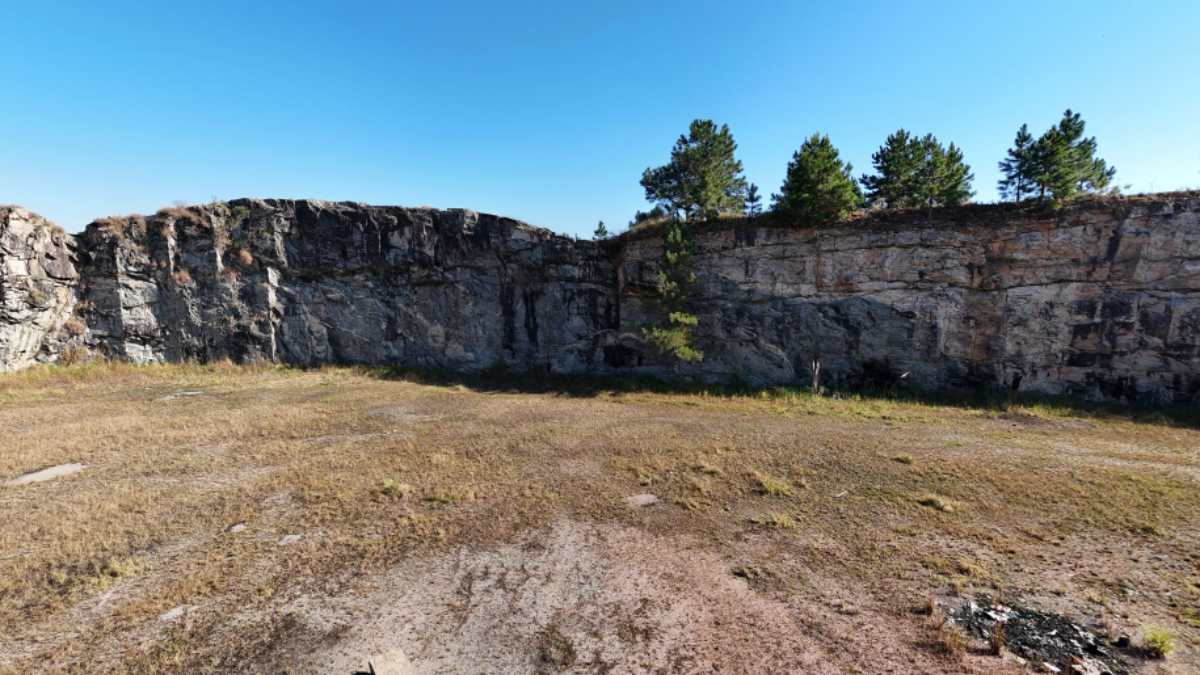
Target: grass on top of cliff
[977,213]
[218,505]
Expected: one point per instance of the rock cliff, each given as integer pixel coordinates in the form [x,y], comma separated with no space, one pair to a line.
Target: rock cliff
[308,282]
[1100,300]
[38,282]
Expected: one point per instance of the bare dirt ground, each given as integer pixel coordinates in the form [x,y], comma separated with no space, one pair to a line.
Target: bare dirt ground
[233,519]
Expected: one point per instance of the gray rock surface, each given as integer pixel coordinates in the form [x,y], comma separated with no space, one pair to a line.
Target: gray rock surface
[1100,300]
[308,282]
[38,281]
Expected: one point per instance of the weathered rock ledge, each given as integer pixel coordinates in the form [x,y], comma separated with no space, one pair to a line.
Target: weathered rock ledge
[1100,300]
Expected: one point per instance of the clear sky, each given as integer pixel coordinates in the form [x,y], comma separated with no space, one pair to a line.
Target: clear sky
[549,112]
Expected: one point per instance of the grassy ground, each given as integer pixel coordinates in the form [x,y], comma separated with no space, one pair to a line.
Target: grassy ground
[833,519]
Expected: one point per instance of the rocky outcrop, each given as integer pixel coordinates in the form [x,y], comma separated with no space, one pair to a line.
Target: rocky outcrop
[38,282]
[307,282]
[1101,300]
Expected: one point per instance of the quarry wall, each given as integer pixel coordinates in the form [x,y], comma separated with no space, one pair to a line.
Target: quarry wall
[1099,300]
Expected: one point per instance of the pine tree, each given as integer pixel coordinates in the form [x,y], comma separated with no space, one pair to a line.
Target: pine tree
[913,171]
[675,280]
[601,232]
[1018,167]
[896,166]
[954,178]
[703,179]
[1065,163]
[819,188]
[753,201]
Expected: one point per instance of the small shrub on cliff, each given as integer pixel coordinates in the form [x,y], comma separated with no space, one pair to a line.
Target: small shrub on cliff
[1157,642]
[183,277]
[38,296]
[653,217]
[819,188]
[245,258]
[238,214]
[178,213]
[74,327]
[73,355]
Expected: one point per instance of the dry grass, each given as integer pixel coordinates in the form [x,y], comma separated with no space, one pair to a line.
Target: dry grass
[769,485]
[1157,641]
[372,471]
[775,520]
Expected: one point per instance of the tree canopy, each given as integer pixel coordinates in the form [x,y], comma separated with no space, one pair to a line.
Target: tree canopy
[819,187]
[753,201]
[1016,169]
[703,180]
[911,171]
[1065,163]
[1060,164]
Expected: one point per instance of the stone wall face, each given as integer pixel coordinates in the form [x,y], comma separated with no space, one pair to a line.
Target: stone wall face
[38,282]
[308,283]
[1100,301]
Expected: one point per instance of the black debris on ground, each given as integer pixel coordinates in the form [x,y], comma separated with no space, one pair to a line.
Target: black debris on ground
[1048,640]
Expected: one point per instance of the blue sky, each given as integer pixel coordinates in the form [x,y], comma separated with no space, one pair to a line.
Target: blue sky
[550,111]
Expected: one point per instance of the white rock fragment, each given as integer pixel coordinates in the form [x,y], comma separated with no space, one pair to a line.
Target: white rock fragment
[290,539]
[173,613]
[180,394]
[240,527]
[644,499]
[46,474]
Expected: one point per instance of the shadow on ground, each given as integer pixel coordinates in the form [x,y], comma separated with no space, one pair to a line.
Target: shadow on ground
[591,386]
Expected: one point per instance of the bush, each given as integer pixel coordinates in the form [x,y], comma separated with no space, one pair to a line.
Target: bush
[1158,642]
[74,355]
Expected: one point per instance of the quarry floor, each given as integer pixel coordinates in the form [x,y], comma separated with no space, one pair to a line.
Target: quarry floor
[232,519]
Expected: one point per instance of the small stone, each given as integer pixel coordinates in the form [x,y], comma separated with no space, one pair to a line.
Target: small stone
[644,499]
[180,394]
[289,539]
[173,613]
[1122,642]
[237,528]
[46,474]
